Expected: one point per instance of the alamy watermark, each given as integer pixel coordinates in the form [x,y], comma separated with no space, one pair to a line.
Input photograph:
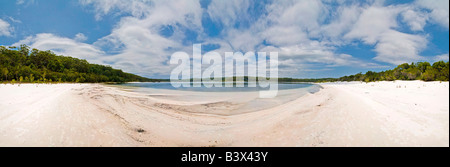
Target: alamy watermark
[233,66]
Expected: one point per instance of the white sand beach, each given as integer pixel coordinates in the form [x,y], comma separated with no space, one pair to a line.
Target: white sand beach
[400,113]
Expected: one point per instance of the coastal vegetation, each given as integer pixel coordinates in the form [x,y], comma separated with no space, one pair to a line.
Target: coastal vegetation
[21,64]
[439,71]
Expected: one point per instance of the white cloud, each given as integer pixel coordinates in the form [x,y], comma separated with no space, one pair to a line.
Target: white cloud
[139,46]
[80,37]
[374,20]
[5,28]
[242,40]
[442,57]
[415,19]
[63,46]
[285,35]
[302,57]
[137,8]
[14,20]
[439,10]
[229,11]
[346,16]
[305,14]
[396,47]
[378,25]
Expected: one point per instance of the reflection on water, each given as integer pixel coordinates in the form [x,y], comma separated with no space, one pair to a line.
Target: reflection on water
[246,88]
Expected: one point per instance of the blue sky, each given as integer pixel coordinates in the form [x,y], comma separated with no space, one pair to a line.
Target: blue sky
[313,38]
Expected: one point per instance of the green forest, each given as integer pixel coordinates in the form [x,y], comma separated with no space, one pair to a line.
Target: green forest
[439,71]
[35,66]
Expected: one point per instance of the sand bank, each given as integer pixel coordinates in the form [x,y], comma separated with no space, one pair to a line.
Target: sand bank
[401,113]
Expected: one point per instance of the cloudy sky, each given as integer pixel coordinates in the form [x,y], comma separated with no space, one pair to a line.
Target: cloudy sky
[327,38]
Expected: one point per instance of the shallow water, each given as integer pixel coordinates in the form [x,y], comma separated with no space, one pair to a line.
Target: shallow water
[224,100]
[246,88]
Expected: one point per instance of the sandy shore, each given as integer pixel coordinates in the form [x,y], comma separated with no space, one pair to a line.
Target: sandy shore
[401,113]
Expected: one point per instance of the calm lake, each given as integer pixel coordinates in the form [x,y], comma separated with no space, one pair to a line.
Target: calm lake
[167,85]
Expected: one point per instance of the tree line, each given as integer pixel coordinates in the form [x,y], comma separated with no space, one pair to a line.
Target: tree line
[36,66]
[424,71]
